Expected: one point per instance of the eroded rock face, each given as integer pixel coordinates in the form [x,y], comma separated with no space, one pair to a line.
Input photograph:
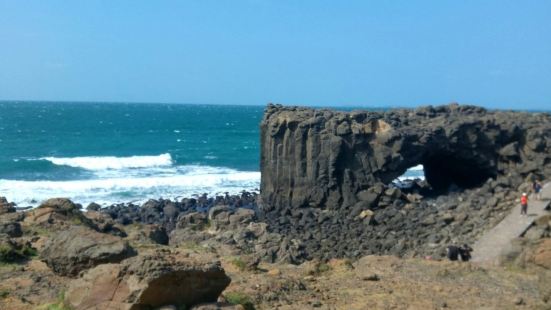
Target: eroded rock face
[149,281]
[78,248]
[323,158]
[326,174]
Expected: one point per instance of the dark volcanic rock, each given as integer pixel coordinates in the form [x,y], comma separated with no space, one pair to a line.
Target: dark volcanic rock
[5,206]
[309,159]
[10,228]
[326,176]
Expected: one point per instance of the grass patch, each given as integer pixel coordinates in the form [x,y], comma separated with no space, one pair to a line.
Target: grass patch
[194,246]
[11,254]
[238,298]
[239,264]
[318,268]
[4,294]
[58,305]
[37,230]
[323,268]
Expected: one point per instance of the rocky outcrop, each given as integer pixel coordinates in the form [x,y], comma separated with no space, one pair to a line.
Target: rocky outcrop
[78,248]
[167,213]
[323,158]
[10,228]
[57,211]
[5,206]
[149,281]
[326,176]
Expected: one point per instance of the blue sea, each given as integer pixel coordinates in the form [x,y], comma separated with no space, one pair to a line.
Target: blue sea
[127,152]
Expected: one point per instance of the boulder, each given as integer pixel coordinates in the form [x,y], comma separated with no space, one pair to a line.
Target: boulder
[58,211]
[193,220]
[78,248]
[93,207]
[102,222]
[150,234]
[62,205]
[542,254]
[241,216]
[149,281]
[12,250]
[10,228]
[5,206]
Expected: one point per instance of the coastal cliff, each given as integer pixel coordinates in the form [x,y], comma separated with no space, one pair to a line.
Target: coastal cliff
[326,177]
[325,159]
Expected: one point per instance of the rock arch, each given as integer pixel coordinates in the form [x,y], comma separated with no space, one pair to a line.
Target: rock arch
[324,158]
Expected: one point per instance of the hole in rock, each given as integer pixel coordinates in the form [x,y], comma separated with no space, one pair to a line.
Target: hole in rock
[446,172]
[415,173]
[442,173]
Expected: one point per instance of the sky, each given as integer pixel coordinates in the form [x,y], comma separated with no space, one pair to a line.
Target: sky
[324,53]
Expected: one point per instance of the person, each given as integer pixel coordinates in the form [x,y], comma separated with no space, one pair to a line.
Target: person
[452,252]
[523,204]
[465,252]
[537,189]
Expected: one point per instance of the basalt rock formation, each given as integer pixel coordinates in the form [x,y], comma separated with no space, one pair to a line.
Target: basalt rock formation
[326,175]
[325,158]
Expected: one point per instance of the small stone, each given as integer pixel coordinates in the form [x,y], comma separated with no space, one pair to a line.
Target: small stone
[371,277]
[274,272]
[519,301]
[316,304]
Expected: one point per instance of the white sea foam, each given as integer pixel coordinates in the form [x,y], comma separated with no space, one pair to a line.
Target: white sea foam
[197,180]
[112,162]
[417,168]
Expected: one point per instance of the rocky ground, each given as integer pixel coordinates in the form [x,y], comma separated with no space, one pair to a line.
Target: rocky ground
[60,257]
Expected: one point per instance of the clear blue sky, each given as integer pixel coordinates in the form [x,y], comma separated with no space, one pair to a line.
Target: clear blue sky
[361,53]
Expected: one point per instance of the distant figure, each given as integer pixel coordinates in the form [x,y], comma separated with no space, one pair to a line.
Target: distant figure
[523,204]
[465,252]
[537,189]
[452,252]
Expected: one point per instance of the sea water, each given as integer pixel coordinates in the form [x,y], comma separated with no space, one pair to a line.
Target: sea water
[117,152]
[127,152]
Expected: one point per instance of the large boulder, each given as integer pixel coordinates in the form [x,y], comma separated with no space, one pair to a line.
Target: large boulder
[58,212]
[77,248]
[149,281]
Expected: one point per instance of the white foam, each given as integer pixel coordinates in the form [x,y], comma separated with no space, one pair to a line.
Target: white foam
[112,162]
[417,168]
[114,190]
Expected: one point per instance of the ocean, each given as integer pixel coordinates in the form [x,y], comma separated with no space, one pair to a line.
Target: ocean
[127,152]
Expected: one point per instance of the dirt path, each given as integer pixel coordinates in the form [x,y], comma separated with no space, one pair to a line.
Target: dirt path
[498,240]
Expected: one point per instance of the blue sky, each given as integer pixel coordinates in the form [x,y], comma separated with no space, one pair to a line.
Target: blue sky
[361,53]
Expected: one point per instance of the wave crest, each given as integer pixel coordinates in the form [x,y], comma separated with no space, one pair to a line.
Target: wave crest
[112,162]
[121,187]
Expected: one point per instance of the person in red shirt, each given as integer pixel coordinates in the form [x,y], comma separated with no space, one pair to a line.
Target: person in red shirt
[523,204]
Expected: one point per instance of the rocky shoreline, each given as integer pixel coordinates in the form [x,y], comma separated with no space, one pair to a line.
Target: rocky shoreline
[319,220]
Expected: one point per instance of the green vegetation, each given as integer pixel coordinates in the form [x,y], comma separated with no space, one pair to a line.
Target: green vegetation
[36,230]
[58,305]
[318,269]
[197,247]
[239,263]
[4,294]
[238,298]
[323,268]
[9,253]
